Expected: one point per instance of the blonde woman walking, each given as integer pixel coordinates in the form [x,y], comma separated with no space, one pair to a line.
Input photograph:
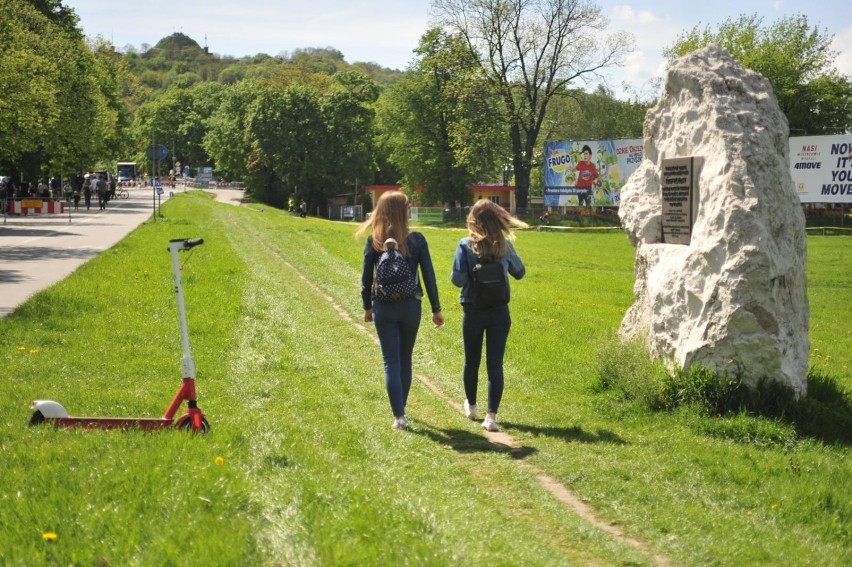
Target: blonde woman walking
[483,261]
[395,306]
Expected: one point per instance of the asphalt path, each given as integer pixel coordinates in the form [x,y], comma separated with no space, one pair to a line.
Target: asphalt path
[39,250]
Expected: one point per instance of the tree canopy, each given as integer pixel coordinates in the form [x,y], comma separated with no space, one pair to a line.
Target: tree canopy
[797,60]
[530,51]
[437,121]
[60,102]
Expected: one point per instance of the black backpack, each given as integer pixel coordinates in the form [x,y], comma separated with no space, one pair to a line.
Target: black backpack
[394,278]
[490,288]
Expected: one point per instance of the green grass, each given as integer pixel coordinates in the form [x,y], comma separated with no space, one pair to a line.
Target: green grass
[309,470]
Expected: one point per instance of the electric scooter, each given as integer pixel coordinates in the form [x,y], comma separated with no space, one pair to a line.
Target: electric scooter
[48,411]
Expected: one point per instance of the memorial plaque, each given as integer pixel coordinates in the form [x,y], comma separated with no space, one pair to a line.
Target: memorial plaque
[678,195]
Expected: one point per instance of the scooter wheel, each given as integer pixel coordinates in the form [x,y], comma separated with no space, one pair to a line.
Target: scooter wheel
[187,424]
[37,418]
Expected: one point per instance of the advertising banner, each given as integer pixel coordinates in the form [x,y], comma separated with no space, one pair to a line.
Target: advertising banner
[592,172]
[588,172]
[204,175]
[821,168]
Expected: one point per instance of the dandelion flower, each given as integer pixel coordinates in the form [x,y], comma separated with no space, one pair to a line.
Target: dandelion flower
[774,506]
[22,348]
[33,351]
[49,536]
[220,460]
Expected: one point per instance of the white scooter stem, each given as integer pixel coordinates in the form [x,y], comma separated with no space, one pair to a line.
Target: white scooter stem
[175,246]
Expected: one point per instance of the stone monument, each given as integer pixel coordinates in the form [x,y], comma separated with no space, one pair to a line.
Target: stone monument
[732,296]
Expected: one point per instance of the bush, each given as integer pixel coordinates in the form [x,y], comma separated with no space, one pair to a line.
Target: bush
[626,370]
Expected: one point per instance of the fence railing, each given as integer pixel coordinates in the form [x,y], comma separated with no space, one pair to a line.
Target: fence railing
[346,212]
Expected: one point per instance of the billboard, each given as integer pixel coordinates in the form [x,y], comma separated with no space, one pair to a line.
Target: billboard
[821,168]
[588,172]
[204,174]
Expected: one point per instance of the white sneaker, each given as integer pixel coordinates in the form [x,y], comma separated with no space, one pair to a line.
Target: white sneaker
[400,422]
[470,410]
[490,424]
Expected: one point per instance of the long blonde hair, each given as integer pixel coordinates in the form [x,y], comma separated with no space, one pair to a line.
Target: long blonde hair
[490,226]
[388,220]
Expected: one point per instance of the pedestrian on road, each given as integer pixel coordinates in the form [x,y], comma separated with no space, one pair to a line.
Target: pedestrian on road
[103,192]
[396,314]
[55,188]
[87,191]
[486,315]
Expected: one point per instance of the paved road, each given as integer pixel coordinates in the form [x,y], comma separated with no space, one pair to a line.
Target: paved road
[38,251]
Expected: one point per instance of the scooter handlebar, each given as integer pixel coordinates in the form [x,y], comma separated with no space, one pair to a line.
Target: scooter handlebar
[187,243]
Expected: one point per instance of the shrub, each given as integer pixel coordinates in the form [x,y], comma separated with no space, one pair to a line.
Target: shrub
[825,413]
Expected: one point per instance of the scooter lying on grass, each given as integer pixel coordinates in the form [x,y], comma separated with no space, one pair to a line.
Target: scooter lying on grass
[47,411]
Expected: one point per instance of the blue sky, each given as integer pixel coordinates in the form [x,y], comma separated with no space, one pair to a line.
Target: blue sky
[386,31]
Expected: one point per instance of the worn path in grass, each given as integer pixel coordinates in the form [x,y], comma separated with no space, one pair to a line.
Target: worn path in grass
[506,442]
[39,250]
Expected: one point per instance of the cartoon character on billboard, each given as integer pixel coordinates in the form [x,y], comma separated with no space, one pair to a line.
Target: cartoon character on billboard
[587,177]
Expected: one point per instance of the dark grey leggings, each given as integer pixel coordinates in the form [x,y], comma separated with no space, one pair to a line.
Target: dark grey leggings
[492,324]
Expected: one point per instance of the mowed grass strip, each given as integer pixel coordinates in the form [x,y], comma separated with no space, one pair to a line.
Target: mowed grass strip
[301,466]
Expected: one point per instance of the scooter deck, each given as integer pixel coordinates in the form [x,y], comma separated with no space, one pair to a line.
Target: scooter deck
[145,423]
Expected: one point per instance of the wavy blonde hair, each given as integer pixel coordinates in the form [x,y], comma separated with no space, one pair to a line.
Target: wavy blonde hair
[388,220]
[490,226]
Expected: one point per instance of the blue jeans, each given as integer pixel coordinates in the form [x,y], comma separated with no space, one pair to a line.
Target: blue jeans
[397,324]
[494,325]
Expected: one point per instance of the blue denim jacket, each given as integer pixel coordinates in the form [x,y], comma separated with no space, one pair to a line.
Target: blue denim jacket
[418,255]
[465,259]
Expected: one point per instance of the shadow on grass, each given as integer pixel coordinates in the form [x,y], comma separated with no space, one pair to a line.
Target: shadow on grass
[825,413]
[463,441]
[569,434]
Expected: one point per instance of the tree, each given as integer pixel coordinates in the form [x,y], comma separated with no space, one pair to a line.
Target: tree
[529,51]
[225,141]
[178,120]
[293,139]
[428,121]
[350,130]
[60,106]
[597,115]
[62,16]
[27,78]
[796,59]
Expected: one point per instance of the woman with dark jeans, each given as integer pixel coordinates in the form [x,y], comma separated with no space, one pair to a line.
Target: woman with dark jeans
[489,241]
[397,322]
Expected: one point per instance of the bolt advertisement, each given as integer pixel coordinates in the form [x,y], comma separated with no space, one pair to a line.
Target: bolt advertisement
[821,168]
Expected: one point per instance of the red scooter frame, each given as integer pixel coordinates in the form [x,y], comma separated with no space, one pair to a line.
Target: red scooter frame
[192,418]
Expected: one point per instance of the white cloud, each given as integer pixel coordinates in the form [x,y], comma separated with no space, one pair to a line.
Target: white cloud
[652,33]
[625,13]
[843,44]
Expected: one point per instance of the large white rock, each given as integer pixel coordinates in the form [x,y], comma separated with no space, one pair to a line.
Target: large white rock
[734,299]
